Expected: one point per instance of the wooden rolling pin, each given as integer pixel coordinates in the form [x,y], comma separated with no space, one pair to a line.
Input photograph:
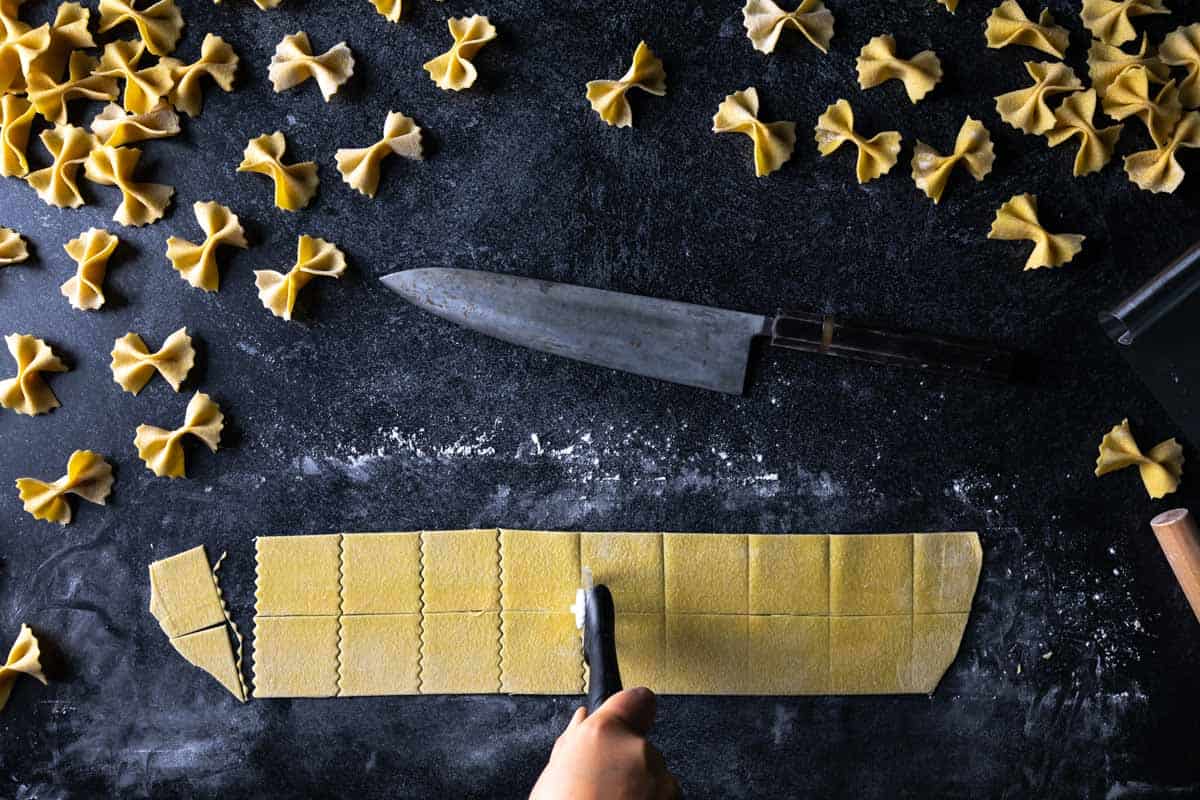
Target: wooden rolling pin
[1180,540]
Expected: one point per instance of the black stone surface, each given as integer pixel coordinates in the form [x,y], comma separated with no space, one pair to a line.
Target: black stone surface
[1076,677]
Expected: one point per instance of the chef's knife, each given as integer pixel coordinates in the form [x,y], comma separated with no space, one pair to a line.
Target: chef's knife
[596,616]
[672,341]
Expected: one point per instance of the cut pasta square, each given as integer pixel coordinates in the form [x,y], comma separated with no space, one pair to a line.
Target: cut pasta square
[462,570]
[630,565]
[298,575]
[705,573]
[460,653]
[296,656]
[541,653]
[870,574]
[381,573]
[945,572]
[870,655]
[789,574]
[641,648]
[935,640]
[539,570]
[788,655]
[380,654]
[706,654]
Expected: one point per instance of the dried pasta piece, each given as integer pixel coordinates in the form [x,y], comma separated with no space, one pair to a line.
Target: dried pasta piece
[143,87]
[50,97]
[876,156]
[1158,170]
[20,47]
[1017,219]
[1074,119]
[160,25]
[389,9]
[56,184]
[24,658]
[607,98]
[1160,469]
[360,166]
[1108,20]
[773,141]
[114,127]
[68,32]
[90,251]
[88,476]
[1106,62]
[973,147]
[1129,96]
[197,263]
[162,450]
[877,63]
[217,60]
[27,392]
[764,22]
[1008,25]
[1026,109]
[16,120]
[141,203]
[315,258]
[294,63]
[295,184]
[453,70]
[133,365]
[1181,48]
[951,5]
[12,247]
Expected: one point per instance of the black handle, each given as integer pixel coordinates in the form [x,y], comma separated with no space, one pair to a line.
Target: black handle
[600,646]
[813,333]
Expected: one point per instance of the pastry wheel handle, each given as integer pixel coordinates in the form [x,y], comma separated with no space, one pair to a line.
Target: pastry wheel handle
[600,646]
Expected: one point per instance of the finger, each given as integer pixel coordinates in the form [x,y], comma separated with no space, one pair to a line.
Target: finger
[635,707]
[577,718]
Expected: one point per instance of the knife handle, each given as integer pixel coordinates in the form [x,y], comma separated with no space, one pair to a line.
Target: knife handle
[814,333]
[600,647]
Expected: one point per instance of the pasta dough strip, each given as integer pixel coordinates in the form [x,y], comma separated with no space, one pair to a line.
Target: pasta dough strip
[1160,469]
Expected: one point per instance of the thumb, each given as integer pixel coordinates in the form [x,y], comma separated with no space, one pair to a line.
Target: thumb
[634,707]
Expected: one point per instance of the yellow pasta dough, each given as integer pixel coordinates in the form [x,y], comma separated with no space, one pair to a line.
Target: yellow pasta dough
[1074,118]
[56,184]
[765,22]
[114,127]
[16,120]
[24,658]
[877,63]
[50,97]
[1158,170]
[389,9]
[359,167]
[876,156]
[217,60]
[90,251]
[1160,469]
[315,258]
[294,63]
[1129,96]
[159,25]
[27,392]
[1106,62]
[1026,109]
[19,49]
[298,575]
[141,203]
[607,98]
[295,184]
[197,263]
[12,247]
[162,450]
[453,70]
[1017,219]
[1181,48]
[68,32]
[88,476]
[773,141]
[144,87]
[133,365]
[1109,20]
[951,5]
[973,147]
[1008,25]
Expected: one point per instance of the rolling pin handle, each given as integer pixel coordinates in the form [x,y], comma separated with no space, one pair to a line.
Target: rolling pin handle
[1180,541]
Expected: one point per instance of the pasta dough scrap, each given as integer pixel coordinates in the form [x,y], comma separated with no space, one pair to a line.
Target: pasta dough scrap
[90,251]
[143,87]
[50,97]
[1158,170]
[1026,109]
[197,263]
[1008,25]
[1181,48]
[1074,118]
[973,147]
[607,98]
[876,156]
[359,167]
[453,70]
[877,63]
[27,392]
[773,141]
[1129,96]
[133,365]
[1017,219]
[16,120]
[389,9]
[141,203]
[765,22]
[1109,20]
[24,658]
[1106,62]
[1160,469]
[162,450]
[88,476]
[315,258]
[12,247]
[114,127]
[159,25]
[295,184]
[294,63]
[68,32]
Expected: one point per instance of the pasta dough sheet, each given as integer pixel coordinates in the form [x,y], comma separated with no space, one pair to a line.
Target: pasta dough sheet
[487,611]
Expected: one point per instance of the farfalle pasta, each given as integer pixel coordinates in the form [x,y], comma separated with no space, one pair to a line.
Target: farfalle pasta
[162,450]
[141,203]
[1181,48]
[27,392]
[951,5]
[114,127]
[88,476]
[1007,25]
[773,141]
[133,365]
[972,147]
[765,22]
[1074,119]
[24,658]
[159,25]
[877,63]
[1017,220]
[294,63]
[197,263]
[56,184]
[16,121]
[1106,62]
[12,247]
[1160,469]
[90,251]
[453,70]
[19,49]
[1158,170]
[359,167]
[295,184]
[217,60]
[876,156]
[607,98]
[68,32]
[389,9]
[1129,96]
[315,258]
[50,97]
[1109,20]
[1026,109]
[143,87]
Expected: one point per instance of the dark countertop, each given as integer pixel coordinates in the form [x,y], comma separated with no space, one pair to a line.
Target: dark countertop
[1076,675]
